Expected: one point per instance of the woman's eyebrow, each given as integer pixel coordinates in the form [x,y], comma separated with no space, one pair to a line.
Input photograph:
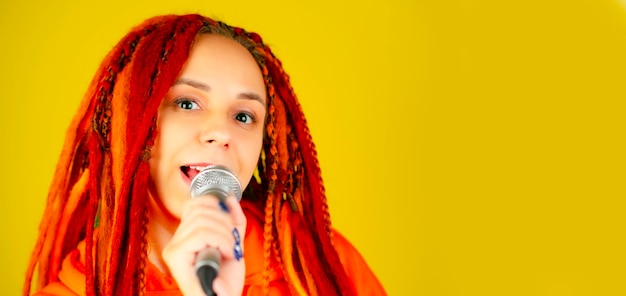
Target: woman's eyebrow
[193,83]
[251,96]
[205,87]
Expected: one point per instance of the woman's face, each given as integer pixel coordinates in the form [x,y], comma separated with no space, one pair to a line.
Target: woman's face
[213,114]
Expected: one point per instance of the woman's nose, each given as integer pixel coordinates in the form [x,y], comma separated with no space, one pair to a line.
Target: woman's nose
[215,132]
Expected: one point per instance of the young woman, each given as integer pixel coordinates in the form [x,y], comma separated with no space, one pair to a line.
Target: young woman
[175,95]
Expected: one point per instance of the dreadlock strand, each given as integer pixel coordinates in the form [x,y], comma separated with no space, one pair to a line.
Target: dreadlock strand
[317,203]
[131,280]
[98,164]
[281,222]
[69,211]
[287,253]
[99,114]
[91,276]
[154,74]
[315,275]
[313,283]
[280,125]
[311,274]
[142,264]
[119,208]
[106,200]
[273,150]
[151,76]
[295,163]
[272,159]
[267,238]
[44,253]
[95,165]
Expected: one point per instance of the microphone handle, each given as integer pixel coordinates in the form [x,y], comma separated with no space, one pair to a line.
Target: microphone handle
[208,260]
[207,266]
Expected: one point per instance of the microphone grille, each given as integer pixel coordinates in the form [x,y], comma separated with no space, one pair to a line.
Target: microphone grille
[216,178]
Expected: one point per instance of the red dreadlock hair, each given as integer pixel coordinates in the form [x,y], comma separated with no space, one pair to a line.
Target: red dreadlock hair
[103,171]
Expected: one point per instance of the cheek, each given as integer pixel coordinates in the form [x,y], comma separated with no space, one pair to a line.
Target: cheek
[166,145]
[155,156]
[171,136]
[166,195]
[252,152]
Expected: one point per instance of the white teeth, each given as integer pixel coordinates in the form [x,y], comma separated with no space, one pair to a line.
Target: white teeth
[198,168]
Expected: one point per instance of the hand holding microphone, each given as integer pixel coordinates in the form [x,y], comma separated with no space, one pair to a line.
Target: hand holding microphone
[219,182]
[207,247]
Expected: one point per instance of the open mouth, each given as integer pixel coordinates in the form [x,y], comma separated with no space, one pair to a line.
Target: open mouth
[192,171]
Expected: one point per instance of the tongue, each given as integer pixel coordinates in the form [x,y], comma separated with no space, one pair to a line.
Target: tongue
[191,173]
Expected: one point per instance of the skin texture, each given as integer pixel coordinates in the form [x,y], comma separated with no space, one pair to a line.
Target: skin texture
[213,114]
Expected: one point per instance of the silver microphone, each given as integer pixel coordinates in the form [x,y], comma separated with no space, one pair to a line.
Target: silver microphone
[218,181]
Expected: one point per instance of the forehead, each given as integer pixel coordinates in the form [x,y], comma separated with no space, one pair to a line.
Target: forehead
[219,57]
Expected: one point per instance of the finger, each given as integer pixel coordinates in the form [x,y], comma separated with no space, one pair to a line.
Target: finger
[205,220]
[239,220]
[205,227]
[236,212]
[222,287]
[205,217]
[211,232]
[185,249]
[204,210]
[208,201]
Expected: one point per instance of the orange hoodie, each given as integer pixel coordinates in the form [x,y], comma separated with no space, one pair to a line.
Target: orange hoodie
[71,279]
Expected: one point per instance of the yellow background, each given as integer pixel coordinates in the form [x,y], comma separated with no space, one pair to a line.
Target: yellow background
[468,147]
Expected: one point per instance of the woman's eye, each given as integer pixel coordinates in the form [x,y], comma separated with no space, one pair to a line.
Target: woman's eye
[187,104]
[244,117]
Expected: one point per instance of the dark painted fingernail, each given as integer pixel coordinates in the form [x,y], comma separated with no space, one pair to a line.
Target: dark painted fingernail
[238,252]
[237,236]
[224,207]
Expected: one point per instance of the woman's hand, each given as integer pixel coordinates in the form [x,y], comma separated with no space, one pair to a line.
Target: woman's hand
[205,222]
